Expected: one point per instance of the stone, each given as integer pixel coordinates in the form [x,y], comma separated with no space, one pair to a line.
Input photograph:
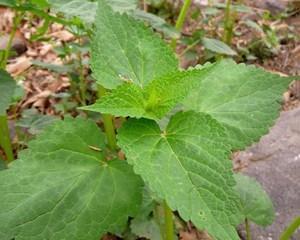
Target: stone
[274,6]
[275,163]
[18,43]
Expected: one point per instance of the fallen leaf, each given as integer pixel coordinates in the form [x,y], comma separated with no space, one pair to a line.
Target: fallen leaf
[63,35]
[18,65]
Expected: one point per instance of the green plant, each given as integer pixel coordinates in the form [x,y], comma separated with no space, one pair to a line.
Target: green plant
[267,43]
[289,231]
[71,183]
[228,23]
[7,87]
[7,83]
[181,19]
[256,204]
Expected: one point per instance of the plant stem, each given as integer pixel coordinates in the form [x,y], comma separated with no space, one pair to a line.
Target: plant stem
[248,231]
[169,225]
[158,219]
[189,47]
[5,138]
[228,23]
[82,81]
[289,231]
[16,23]
[180,20]
[108,123]
[4,130]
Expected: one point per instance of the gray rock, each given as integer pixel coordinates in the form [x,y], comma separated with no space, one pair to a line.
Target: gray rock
[275,163]
[274,6]
[18,44]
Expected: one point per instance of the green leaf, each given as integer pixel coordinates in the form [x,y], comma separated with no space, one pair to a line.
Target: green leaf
[146,228]
[157,23]
[8,3]
[144,225]
[125,100]
[40,3]
[257,205]
[66,68]
[254,25]
[123,50]
[153,101]
[34,122]
[188,166]
[236,7]
[123,5]
[217,46]
[85,10]
[7,88]
[61,187]
[2,164]
[244,99]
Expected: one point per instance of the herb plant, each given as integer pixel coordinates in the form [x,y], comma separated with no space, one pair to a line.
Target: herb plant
[180,129]
[291,229]
[7,87]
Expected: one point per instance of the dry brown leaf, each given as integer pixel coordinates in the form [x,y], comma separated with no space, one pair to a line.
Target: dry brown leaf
[37,98]
[188,236]
[193,235]
[40,103]
[6,16]
[44,49]
[18,65]
[63,35]
[32,52]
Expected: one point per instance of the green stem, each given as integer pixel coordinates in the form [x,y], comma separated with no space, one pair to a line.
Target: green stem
[158,219]
[82,81]
[248,231]
[5,141]
[5,138]
[189,47]
[289,231]
[228,23]
[180,20]
[169,225]
[108,123]
[16,22]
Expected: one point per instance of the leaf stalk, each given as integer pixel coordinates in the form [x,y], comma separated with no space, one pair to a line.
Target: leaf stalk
[5,138]
[248,230]
[82,81]
[169,225]
[228,23]
[180,20]
[5,141]
[289,231]
[108,123]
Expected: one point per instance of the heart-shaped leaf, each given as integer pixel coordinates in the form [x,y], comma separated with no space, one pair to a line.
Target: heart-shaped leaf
[244,99]
[62,187]
[188,166]
[257,205]
[125,50]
